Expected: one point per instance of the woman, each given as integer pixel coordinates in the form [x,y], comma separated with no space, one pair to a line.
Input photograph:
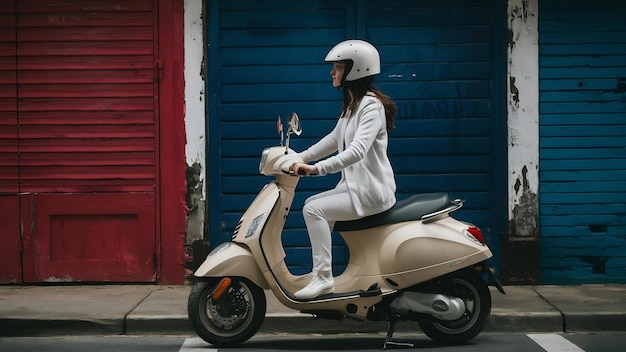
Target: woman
[367,184]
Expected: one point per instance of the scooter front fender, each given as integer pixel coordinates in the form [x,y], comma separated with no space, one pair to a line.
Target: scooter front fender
[233,260]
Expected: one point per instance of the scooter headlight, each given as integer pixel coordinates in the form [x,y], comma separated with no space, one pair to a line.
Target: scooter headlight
[264,155]
[219,248]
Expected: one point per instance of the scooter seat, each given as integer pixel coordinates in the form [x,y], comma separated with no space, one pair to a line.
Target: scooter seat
[410,209]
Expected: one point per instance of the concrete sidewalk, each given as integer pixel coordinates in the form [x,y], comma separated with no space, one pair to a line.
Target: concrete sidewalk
[151,309]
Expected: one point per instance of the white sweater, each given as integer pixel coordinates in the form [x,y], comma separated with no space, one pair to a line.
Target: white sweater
[361,142]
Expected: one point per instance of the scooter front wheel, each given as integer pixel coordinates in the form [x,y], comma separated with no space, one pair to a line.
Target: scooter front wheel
[475,293]
[232,318]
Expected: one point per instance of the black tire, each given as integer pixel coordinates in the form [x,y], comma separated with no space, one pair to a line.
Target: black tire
[475,293]
[232,319]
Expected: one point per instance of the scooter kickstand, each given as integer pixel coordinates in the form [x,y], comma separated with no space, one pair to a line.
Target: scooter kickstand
[388,342]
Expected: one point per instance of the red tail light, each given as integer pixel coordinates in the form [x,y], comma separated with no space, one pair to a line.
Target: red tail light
[478,235]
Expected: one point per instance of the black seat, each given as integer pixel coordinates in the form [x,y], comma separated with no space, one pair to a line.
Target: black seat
[412,208]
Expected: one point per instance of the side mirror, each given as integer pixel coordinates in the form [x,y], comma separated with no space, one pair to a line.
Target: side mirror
[294,127]
[294,124]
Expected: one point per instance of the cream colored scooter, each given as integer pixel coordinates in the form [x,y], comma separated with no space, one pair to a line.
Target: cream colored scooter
[413,262]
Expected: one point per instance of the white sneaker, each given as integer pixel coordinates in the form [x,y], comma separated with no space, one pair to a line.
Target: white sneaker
[321,284]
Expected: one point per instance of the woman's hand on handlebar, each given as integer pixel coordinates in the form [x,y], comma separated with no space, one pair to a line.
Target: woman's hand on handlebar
[302,169]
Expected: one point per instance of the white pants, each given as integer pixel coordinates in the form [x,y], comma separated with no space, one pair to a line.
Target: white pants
[320,213]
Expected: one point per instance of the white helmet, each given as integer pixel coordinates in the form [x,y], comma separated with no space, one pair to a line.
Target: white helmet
[364,56]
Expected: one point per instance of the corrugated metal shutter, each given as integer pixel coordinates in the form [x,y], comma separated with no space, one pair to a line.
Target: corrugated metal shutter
[87,139]
[10,266]
[583,141]
[266,59]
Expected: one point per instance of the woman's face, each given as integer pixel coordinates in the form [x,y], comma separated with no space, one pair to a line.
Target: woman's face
[337,73]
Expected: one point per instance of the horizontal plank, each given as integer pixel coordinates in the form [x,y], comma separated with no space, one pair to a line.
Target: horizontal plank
[600,241]
[89,90]
[89,62]
[87,172]
[583,131]
[585,252]
[587,230]
[584,186]
[417,15]
[476,52]
[586,61]
[87,145]
[558,49]
[79,34]
[572,119]
[455,108]
[255,5]
[45,49]
[589,198]
[557,5]
[583,107]
[268,111]
[584,96]
[79,6]
[264,37]
[583,142]
[582,164]
[582,220]
[568,72]
[582,175]
[62,18]
[601,25]
[582,38]
[569,276]
[398,32]
[438,71]
[87,104]
[440,146]
[282,17]
[85,77]
[87,159]
[87,186]
[102,117]
[591,152]
[443,164]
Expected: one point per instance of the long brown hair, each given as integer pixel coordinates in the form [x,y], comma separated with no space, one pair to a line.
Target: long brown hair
[359,89]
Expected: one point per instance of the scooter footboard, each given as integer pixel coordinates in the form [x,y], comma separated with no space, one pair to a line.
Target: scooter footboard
[233,260]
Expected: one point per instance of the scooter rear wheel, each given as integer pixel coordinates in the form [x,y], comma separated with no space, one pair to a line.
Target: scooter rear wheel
[232,318]
[475,293]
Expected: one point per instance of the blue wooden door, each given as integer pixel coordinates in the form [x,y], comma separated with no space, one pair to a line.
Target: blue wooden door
[443,64]
[583,141]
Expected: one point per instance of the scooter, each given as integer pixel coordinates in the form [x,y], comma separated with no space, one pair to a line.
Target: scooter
[413,262]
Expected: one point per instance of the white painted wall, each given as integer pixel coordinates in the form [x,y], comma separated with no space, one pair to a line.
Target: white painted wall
[523,104]
[195,109]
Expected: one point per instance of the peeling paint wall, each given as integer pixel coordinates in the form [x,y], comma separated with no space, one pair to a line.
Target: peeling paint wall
[520,251]
[194,119]
[523,119]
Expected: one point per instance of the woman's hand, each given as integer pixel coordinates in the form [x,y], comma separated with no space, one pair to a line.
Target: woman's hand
[303,169]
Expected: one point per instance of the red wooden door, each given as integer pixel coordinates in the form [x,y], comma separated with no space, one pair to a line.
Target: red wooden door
[86,97]
[10,266]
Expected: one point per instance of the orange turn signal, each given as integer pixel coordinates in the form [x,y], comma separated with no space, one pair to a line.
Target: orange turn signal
[221,288]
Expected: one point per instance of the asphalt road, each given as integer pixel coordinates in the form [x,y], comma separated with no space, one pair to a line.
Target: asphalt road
[511,342]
